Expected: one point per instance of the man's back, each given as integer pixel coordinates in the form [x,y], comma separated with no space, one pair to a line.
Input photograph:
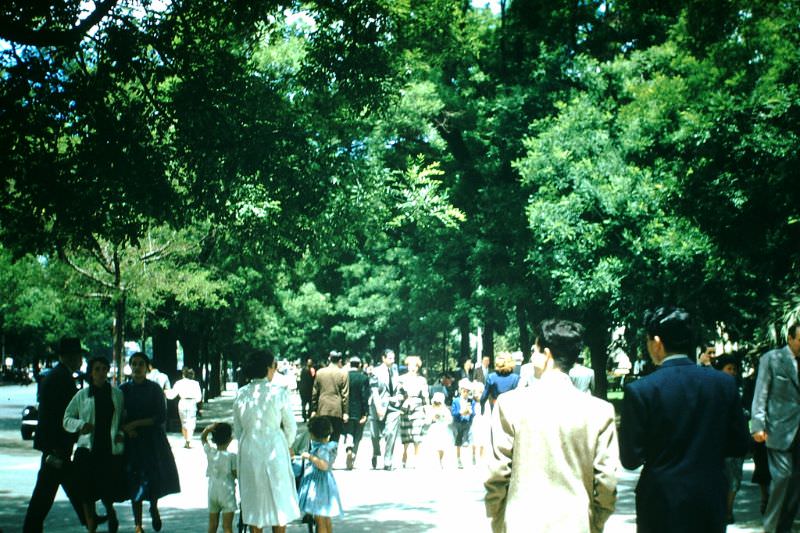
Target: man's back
[359,394]
[331,391]
[564,450]
[680,422]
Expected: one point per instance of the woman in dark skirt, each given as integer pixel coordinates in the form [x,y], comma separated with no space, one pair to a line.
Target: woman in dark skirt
[151,469]
[95,412]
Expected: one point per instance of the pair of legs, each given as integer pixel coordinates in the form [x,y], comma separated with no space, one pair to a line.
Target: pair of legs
[155,516]
[323,524]
[275,529]
[91,516]
[188,416]
[227,522]
[388,429]
[48,480]
[784,493]
[405,452]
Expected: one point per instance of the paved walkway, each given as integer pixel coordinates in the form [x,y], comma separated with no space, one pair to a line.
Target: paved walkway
[425,499]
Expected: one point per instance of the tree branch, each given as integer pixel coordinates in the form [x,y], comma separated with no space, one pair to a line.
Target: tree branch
[16,32]
[62,254]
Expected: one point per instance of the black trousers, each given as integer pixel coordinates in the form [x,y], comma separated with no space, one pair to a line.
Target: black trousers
[47,483]
[337,424]
[353,432]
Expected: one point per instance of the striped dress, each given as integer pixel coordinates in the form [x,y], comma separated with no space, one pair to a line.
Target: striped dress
[413,420]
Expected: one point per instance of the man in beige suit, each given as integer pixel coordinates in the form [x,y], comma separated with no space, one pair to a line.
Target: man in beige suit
[331,394]
[563,444]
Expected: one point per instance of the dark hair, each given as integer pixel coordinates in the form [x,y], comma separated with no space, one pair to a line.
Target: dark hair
[187,372]
[222,433]
[673,326]
[142,356]
[792,331]
[97,359]
[564,339]
[320,427]
[726,359]
[258,363]
[335,357]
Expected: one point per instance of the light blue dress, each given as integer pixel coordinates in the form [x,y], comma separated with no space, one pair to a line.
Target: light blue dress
[318,494]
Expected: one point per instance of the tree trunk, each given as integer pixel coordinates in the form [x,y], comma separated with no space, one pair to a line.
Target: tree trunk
[597,341]
[488,339]
[165,352]
[464,350]
[215,377]
[118,349]
[524,334]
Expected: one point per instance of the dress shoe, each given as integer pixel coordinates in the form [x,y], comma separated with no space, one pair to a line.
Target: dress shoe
[351,458]
[374,462]
[155,517]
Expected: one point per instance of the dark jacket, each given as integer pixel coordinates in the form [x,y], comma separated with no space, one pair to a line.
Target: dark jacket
[359,394]
[680,422]
[56,389]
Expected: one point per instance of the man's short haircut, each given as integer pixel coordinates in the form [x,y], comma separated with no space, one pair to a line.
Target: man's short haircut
[258,362]
[335,357]
[388,351]
[355,362]
[222,433]
[564,339]
[673,326]
[792,331]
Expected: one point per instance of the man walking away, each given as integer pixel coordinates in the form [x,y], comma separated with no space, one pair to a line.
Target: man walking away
[680,422]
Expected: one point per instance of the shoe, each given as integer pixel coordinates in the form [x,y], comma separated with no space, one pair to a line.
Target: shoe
[155,517]
[388,468]
[374,462]
[730,519]
[351,458]
[460,465]
[100,519]
[113,524]
[187,445]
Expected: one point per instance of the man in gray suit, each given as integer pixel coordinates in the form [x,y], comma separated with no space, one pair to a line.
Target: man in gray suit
[384,409]
[775,420]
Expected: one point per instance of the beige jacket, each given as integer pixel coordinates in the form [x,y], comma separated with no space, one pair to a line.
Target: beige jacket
[554,462]
[331,393]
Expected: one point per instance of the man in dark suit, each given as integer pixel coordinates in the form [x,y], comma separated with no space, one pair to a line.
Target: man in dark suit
[680,422]
[775,420]
[357,411]
[331,394]
[56,389]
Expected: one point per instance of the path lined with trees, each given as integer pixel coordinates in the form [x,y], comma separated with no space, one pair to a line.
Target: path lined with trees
[357,175]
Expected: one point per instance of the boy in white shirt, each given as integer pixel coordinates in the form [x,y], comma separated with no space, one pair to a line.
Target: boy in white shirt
[221,473]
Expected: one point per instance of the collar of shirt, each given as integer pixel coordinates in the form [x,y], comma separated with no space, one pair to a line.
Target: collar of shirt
[671,357]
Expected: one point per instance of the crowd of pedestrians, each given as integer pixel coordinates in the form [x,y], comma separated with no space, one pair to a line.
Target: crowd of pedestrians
[552,451]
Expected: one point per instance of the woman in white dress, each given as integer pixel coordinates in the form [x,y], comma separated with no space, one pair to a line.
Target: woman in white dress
[264,425]
[188,390]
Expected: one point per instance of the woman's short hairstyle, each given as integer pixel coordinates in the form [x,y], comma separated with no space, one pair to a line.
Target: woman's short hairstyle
[258,363]
[142,356]
[187,372]
[97,359]
[414,359]
[320,427]
[504,364]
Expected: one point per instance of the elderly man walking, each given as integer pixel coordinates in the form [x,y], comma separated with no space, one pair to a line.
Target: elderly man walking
[775,420]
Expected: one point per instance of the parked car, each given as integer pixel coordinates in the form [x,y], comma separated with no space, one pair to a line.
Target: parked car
[30,419]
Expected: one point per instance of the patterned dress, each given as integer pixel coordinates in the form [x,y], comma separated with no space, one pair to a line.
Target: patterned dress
[264,425]
[318,493]
[413,420]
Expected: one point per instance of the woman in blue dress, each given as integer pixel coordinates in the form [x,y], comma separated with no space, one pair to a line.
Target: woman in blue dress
[151,469]
[318,494]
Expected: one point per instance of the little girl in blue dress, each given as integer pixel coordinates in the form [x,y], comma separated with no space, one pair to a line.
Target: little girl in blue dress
[318,494]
